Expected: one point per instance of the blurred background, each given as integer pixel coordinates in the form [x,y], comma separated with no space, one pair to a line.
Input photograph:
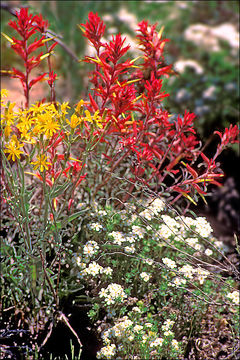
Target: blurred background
[203,47]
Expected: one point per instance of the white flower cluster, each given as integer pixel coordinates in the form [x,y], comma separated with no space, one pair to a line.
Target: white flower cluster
[155,207]
[90,248]
[96,227]
[170,263]
[145,276]
[95,269]
[118,237]
[200,225]
[234,296]
[118,330]
[203,228]
[168,324]
[107,352]
[157,342]
[188,272]
[112,294]
[177,281]
[140,232]
[193,242]
[129,249]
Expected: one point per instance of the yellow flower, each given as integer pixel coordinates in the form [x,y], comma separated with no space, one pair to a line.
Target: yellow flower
[79,105]
[75,121]
[13,149]
[41,163]
[96,119]
[64,107]
[46,124]
[4,94]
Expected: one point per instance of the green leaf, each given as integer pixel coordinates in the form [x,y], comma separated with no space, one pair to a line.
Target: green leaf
[59,190]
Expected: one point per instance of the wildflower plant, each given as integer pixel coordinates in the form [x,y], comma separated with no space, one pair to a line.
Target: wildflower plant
[118,147]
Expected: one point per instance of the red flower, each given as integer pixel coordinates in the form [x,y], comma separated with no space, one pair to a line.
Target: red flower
[94,29]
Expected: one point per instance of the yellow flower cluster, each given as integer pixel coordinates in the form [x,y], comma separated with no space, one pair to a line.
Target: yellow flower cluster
[36,126]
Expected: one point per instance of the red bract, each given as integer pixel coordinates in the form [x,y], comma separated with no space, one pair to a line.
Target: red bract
[153,143]
[229,136]
[27,25]
[94,29]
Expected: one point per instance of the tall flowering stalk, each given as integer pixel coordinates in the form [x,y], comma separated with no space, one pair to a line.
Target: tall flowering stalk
[138,133]
[26,26]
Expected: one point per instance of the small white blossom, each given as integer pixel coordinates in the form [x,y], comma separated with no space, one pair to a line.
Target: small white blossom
[107,352]
[96,226]
[145,276]
[188,271]
[175,344]
[140,232]
[234,296]
[93,269]
[136,309]
[107,270]
[129,249]
[178,282]
[137,328]
[157,342]
[203,227]
[112,293]
[168,333]
[90,248]
[170,263]
[167,324]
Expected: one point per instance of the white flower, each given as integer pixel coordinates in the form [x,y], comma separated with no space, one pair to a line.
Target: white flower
[101,212]
[112,293]
[193,242]
[90,248]
[208,252]
[201,275]
[144,276]
[137,328]
[180,66]
[148,261]
[140,232]
[165,232]
[129,249]
[170,263]
[147,214]
[136,309]
[80,263]
[168,333]
[107,352]
[167,324]
[234,296]
[157,206]
[148,325]
[188,271]
[178,282]
[156,342]
[107,271]
[96,226]
[175,344]
[203,227]
[118,237]
[93,269]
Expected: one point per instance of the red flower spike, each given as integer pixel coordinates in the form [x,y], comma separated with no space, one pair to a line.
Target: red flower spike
[94,29]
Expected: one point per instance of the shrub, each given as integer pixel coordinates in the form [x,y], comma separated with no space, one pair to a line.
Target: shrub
[102,176]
